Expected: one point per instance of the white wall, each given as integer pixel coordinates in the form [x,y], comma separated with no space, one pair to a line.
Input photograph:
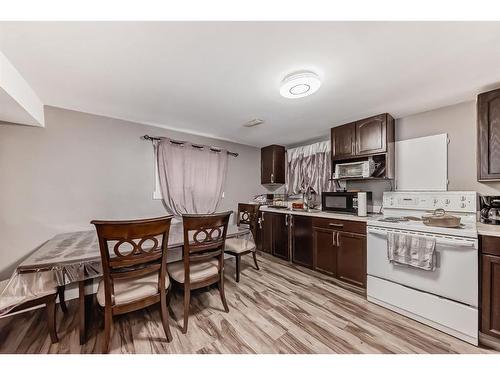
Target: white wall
[82,167]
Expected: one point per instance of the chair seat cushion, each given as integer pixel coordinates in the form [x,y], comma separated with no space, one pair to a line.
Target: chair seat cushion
[130,290]
[239,245]
[198,271]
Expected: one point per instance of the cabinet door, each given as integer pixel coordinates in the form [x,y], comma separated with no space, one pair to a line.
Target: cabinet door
[490,302]
[280,236]
[351,258]
[302,238]
[343,141]
[325,251]
[371,135]
[266,222]
[272,165]
[488,122]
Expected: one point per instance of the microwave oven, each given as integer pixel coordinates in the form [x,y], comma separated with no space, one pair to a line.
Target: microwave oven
[346,202]
[358,169]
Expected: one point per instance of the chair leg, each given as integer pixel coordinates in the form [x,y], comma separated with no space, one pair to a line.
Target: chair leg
[62,300]
[164,316]
[254,253]
[108,325]
[187,297]
[221,291]
[51,319]
[238,267]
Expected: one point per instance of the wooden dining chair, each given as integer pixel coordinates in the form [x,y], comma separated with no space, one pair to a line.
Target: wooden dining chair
[48,301]
[134,272]
[237,247]
[203,253]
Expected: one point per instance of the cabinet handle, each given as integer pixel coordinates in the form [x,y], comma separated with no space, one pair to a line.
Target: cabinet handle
[291,221]
[286,220]
[338,239]
[260,223]
[336,225]
[333,238]
[272,178]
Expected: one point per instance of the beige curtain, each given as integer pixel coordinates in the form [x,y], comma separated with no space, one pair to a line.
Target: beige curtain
[191,179]
[309,166]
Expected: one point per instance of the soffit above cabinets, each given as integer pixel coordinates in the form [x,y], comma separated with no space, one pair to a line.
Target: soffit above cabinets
[19,104]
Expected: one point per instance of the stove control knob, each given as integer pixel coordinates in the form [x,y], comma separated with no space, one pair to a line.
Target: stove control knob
[435,201]
[462,198]
[446,201]
[462,205]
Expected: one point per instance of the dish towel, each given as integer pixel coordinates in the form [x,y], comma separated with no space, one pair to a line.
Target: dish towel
[414,251]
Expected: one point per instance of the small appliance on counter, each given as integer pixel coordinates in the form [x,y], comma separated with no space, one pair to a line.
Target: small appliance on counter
[490,209]
[357,203]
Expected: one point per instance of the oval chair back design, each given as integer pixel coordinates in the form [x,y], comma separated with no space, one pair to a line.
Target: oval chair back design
[204,238]
[130,250]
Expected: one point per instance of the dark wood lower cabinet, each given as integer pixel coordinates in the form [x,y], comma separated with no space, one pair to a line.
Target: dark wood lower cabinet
[325,251]
[490,295]
[280,236]
[335,247]
[266,222]
[302,240]
[351,258]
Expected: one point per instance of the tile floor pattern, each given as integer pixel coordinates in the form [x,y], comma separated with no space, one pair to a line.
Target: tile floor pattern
[279,309]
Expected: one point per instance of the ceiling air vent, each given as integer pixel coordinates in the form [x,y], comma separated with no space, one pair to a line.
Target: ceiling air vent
[252,123]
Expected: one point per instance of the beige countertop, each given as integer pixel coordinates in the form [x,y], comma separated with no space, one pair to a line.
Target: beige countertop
[488,229]
[322,214]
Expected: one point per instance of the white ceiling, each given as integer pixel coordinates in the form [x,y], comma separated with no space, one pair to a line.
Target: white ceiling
[211,77]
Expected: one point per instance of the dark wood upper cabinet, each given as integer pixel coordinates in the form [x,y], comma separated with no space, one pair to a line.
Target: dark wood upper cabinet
[302,238]
[280,236]
[351,258]
[371,135]
[488,125]
[272,169]
[343,141]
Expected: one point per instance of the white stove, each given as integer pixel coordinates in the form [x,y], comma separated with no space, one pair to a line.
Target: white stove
[445,298]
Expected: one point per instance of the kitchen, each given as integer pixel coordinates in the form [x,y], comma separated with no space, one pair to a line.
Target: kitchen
[367,227]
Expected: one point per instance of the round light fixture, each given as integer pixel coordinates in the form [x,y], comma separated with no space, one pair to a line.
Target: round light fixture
[299,84]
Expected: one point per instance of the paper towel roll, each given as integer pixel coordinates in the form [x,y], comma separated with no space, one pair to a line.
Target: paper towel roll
[362,204]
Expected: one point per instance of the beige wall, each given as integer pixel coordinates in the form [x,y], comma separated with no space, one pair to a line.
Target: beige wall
[459,121]
[81,167]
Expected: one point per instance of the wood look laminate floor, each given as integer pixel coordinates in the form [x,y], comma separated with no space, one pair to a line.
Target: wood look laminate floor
[279,309]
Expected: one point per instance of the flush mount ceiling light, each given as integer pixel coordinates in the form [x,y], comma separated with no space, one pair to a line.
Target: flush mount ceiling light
[299,84]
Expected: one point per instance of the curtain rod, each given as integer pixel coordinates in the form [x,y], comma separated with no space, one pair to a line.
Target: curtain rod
[149,138]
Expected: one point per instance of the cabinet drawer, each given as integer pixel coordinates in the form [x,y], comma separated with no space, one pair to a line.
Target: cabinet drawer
[340,225]
[490,245]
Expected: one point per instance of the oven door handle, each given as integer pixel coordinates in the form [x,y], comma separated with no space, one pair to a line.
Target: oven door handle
[439,240]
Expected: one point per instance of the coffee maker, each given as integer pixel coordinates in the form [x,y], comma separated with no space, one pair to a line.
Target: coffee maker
[490,209]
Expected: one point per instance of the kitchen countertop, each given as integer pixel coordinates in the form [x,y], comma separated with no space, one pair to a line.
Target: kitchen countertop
[322,214]
[488,229]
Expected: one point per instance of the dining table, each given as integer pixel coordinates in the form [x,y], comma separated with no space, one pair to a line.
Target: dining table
[74,257]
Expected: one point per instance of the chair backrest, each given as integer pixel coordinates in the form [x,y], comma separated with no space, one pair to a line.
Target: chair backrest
[138,247]
[248,214]
[204,237]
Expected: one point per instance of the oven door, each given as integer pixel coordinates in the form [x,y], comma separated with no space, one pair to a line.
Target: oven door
[339,202]
[455,276]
